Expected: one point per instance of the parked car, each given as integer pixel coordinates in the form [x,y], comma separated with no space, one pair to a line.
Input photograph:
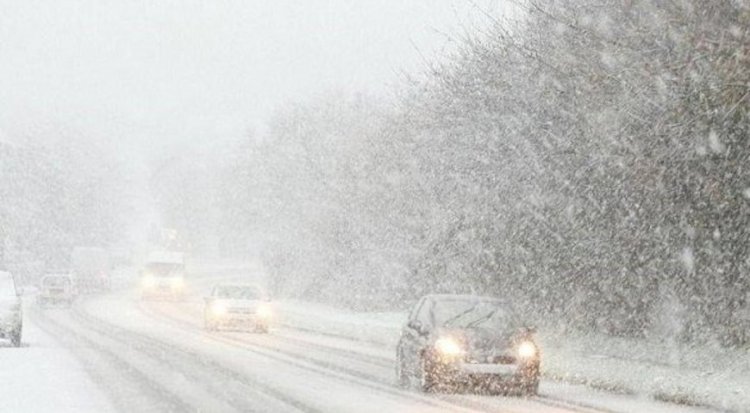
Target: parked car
[163,276]
[11,316]
[463,341]
[56,289]
[237,306]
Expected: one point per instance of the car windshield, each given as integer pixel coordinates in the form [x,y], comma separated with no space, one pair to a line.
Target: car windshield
[161,269]
[468,313]
[236,292]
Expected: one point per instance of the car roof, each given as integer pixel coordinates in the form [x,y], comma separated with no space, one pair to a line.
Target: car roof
[166,257]
[258,289]
[464,297]
[57,274]
[244,285]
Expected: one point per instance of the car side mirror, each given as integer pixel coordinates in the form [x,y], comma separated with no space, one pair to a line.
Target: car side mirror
[417,326]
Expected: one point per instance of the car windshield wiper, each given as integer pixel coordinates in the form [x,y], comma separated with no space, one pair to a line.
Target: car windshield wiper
[481,319]
[459,315]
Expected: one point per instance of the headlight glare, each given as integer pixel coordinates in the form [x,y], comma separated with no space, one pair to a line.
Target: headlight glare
[264,311]
[148,282]
[218,308]
[527,349]
[177,282]
[448,346]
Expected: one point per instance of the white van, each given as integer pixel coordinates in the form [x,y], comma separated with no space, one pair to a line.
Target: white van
[163,276]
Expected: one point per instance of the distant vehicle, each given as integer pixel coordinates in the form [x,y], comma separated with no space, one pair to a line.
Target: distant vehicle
[163,276]
[237,306]
[463,341]
[91,269]
[11,317]
[57,289]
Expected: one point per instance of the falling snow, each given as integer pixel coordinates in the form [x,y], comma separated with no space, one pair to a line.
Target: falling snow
[588,163]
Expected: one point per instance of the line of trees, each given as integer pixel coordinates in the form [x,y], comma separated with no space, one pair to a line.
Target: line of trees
[590,160]
[57,191]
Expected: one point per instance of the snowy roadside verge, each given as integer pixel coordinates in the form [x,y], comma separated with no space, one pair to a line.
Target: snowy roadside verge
[712,377]
[382,329]
[715,378]
[42,376]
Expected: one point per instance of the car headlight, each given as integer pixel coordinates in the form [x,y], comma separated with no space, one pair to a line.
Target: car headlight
[177,283]
[527,349]
[264,311]
[448,346]
[218,308]
[148,282]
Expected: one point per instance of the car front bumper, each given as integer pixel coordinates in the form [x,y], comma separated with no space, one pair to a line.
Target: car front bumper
[238,320]
[487,369]
[9,327]
[56,297]
[489,375]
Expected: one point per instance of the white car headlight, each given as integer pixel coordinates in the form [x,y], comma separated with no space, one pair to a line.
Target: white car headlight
[449,346]
[177,283]
[148,282]
[218,308]
[264,311]
[527,349]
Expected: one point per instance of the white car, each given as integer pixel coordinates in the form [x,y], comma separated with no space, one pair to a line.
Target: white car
[163,277]
[11,320]
[237,306]
[57,289]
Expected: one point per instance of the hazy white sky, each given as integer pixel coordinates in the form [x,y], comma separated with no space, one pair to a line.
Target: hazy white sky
[149,72]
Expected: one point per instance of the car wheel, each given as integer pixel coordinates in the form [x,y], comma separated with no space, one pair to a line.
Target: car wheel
[531,387]
[402,378]
[427,379]
[15,338]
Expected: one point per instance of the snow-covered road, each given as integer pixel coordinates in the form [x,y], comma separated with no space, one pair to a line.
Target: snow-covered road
[44,376]
[156,356]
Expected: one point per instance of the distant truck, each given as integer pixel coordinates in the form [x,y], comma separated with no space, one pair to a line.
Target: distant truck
[163,276]
[91,268]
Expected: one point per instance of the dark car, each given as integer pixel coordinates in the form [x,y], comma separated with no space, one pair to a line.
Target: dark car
[458,342]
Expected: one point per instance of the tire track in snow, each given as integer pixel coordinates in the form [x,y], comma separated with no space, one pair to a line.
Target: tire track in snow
[128,387]
[251,343]
[242,393]
[311,364]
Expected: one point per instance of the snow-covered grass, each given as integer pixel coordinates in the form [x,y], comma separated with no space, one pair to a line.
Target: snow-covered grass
[714,377]
[691,375]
